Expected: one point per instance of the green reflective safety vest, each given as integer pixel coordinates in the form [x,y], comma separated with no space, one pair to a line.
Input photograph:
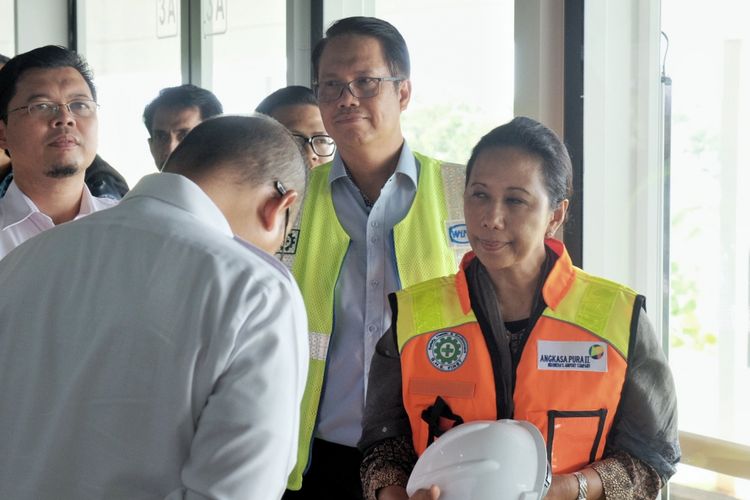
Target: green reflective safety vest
[429,242]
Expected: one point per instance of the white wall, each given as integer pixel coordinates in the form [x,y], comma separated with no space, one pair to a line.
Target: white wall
[41,22]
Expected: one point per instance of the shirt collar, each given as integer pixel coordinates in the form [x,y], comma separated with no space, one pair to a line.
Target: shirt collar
[17,207]
[407,165]
[181,192]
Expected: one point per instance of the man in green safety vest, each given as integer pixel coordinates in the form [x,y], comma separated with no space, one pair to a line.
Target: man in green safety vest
[377,218]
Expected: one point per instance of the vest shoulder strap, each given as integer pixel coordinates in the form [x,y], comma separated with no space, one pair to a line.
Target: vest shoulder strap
[427,307]
[600,306]
[423,239]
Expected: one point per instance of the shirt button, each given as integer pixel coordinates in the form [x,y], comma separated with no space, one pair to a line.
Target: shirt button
[371,328]
[374,223]
[374,283]
[374,239]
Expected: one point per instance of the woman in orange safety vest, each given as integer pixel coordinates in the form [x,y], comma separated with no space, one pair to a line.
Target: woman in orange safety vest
[519,332]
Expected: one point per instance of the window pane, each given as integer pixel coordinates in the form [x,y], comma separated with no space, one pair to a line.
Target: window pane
[709,63]
[134,50]
[7,28]
[248,51]
[462,71]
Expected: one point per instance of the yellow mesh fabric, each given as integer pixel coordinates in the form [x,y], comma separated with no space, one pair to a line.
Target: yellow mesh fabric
[601,307]
[428,307]
[454,179]
[309,415]
[421,240]
[316,275]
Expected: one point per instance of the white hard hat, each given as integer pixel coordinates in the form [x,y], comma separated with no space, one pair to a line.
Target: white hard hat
[483,460]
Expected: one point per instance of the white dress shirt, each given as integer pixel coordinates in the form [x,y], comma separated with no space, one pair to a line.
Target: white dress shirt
[146,353]
[20,219]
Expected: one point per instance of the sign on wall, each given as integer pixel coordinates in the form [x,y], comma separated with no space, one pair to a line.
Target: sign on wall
[214,17]
[167,18]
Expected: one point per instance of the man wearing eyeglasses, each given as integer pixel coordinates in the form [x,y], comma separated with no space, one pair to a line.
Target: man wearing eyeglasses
[376,219]
[296,107]
[48,125]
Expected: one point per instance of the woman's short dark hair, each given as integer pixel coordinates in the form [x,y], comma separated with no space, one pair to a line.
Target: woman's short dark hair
[534,138]
[393,44]
[47,57]
[293,95]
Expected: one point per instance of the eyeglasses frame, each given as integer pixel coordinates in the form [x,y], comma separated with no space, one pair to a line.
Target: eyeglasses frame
[309,140]
[348,86]
[58,107]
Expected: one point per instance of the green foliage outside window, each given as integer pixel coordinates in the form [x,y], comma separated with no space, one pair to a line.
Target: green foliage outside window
[445,131]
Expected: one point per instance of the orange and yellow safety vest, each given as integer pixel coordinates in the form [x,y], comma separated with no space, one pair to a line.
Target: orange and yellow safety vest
[570,374]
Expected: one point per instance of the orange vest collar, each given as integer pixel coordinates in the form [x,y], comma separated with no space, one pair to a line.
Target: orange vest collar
[561,276]
[556,286]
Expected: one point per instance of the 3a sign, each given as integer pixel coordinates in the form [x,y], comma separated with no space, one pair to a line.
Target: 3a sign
[167,18]
[214,17]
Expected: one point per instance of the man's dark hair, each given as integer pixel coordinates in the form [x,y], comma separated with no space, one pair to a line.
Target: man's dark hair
[180,97]
[4,59]
[392,43]
[293,95]
[534,138]
[252,149]
[47,57]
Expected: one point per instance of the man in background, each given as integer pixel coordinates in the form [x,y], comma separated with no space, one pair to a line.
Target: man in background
[296,107]
[174,113]
[165,354]
[49,128]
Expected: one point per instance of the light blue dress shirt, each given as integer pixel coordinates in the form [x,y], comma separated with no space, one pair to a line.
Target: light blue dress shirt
[361,310]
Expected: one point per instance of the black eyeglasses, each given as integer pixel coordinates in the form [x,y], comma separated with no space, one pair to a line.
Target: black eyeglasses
[361,88]
[322,145]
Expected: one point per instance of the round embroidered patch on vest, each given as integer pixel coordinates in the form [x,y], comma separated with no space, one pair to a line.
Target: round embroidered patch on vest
[447,351]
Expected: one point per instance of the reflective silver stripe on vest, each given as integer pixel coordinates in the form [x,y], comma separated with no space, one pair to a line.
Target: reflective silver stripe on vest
[318,345]
[454,179]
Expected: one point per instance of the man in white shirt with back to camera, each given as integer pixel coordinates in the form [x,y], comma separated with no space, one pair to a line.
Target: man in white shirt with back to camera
[157,350]
[48,126]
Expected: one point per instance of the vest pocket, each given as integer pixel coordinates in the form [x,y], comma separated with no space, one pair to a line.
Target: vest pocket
[573,438]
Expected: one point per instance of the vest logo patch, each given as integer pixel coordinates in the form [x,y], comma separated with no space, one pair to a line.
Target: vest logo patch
[596,351]
[572,356]
[447,351]
[289,247]
[457,235]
